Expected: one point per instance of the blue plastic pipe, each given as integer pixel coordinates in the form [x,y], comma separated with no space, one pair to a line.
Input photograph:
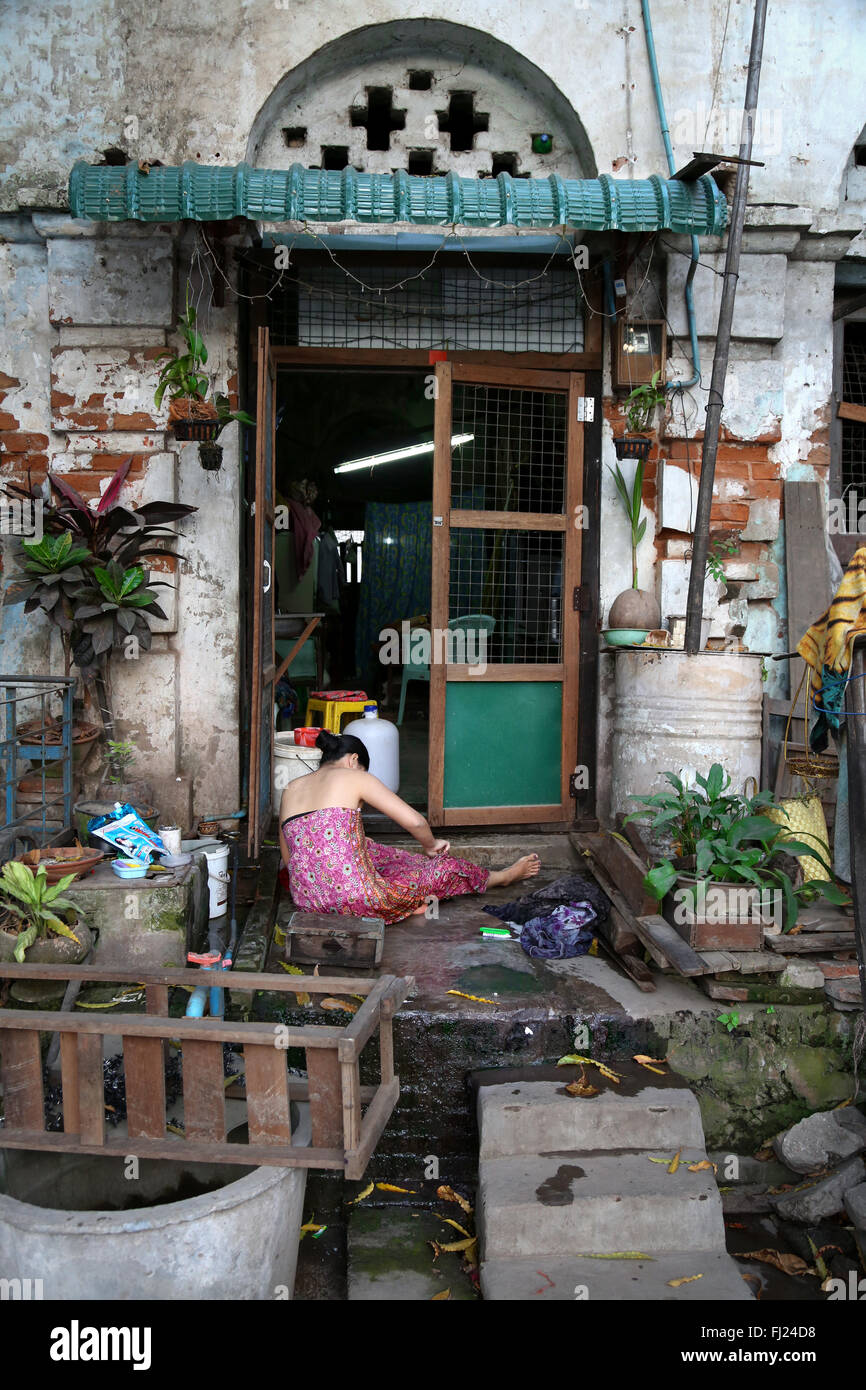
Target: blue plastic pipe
[666,137]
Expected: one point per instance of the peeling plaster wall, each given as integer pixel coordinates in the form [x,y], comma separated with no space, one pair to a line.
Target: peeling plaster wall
[85,308]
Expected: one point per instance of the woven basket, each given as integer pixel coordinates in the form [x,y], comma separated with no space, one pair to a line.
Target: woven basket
[807,764]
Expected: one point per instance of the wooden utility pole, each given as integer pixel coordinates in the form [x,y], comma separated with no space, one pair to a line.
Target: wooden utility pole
[700,544]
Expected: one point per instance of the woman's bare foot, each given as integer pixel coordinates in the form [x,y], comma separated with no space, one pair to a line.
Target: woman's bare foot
[525,867]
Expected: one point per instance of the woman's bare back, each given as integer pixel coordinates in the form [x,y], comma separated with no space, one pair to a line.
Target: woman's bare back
[327,786]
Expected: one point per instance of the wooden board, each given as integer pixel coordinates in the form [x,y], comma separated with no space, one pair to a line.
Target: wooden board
[204,1111]
[619,929]
[21,1073]
[326,1098]
[268,1112]
[144,1071]
[805,943]
[91,1088]
[746,962]
[636,969]
[806,565]
[658,934]
[623,867]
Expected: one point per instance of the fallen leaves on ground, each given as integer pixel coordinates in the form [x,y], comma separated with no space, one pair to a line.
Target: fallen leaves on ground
[476,998]
[312,1228]
[302,998]
[788,1264]
[573,1060]
[438,1297]
[447,1194]
[686,1279]
[765,1153]
[389,1187]
[371,1187]
[581,1087]
[614,1255]
[651,1063]
[701,1167]
[456,1224]
[675,1162]
[343,1004]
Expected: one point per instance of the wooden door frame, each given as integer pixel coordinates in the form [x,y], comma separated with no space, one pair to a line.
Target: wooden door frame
[445,518]
[590,363]
[263,663]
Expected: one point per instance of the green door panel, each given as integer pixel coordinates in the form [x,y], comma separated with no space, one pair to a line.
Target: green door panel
[503,743]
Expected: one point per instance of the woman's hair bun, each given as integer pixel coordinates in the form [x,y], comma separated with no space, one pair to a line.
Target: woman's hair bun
[328,742]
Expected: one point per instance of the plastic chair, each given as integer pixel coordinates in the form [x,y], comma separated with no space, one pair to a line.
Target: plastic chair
[415,671]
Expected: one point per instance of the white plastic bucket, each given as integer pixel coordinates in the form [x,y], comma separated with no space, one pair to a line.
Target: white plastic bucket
[290,762]
[218,879]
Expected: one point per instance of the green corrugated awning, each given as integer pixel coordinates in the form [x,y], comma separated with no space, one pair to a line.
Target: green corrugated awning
[206,193]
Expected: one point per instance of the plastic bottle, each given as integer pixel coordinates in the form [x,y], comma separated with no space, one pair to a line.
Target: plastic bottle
[382,741]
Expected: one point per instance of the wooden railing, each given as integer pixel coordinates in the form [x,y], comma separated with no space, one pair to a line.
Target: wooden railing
[343,1132]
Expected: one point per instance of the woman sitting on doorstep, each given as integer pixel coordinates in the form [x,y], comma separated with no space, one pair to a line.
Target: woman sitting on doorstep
[332,865]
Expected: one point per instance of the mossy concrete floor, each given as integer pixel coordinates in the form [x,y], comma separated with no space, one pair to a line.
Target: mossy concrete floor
[774,1067]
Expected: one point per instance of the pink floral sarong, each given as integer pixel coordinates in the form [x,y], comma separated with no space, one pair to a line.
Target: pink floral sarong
[333,867]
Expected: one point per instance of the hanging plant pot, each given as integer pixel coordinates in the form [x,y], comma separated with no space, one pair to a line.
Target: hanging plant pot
[210,456]
[192,418]
[633,446]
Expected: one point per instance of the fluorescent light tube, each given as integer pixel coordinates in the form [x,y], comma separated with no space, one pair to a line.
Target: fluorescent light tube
[395,455]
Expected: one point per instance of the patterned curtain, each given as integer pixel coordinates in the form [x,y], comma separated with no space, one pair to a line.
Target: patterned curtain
[395,580]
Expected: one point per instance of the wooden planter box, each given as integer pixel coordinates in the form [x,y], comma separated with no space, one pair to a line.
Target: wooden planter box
[719,916]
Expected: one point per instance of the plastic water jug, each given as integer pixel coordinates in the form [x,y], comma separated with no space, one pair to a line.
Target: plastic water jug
[382,741]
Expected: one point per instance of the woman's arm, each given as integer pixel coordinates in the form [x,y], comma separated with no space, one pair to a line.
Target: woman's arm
[284,849]
[377,795]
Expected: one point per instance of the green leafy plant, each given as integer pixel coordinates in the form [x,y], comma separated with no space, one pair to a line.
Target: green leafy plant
[631,501]
[730,842]
[184,377]
[730,1020]
[691,813]
[59,573]
[183,373]
[642,401]
[36,903]
[225,414]
[717,551]
[121,756]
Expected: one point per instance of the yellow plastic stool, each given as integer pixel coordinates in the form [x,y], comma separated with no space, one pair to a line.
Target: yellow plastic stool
[332,711]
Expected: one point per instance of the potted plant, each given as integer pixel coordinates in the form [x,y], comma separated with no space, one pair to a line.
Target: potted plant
[31,924]
[635,612]
[210,453]
[192,414]
[88,578]
[640,406]
[729,877]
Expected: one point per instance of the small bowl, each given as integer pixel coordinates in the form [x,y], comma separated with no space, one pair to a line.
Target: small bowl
[175,861]
[129,868]
[625,636]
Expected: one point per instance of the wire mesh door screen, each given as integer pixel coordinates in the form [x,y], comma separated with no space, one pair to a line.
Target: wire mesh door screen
[530,307]
[512,458]
[505,708]
[854,393]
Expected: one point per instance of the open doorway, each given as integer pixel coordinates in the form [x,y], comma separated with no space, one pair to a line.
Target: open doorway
[354,473]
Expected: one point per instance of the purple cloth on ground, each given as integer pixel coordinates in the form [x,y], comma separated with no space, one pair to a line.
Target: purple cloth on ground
[571,888]
[564,932]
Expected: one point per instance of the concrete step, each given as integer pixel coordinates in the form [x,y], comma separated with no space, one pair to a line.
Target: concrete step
[522,1117]
[545,1280]
[569,1202]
